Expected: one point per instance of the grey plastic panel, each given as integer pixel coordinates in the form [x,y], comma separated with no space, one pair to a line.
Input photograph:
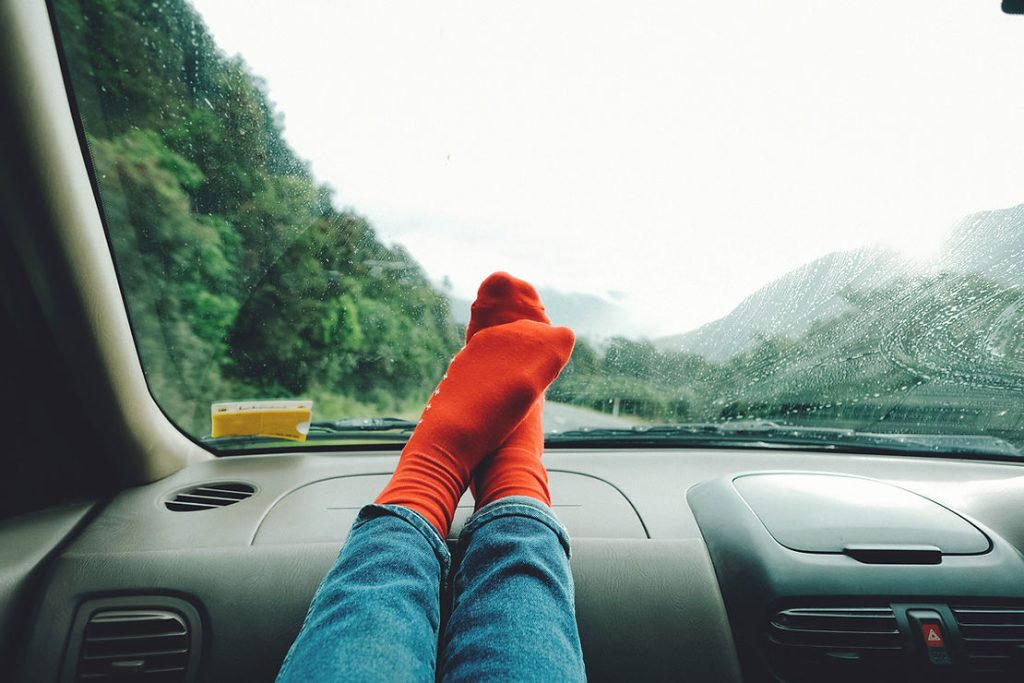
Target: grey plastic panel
[825,513]
[654,482]
[324,510]
[25,544]
[665,593]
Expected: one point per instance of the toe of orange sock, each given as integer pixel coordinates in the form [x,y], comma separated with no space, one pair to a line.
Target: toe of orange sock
[502,299]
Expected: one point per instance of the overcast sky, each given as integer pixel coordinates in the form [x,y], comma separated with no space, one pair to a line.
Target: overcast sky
[674,155]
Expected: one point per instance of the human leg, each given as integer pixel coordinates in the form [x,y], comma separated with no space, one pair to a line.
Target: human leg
[380,602]
[513,617]
[514,469]
[376,614]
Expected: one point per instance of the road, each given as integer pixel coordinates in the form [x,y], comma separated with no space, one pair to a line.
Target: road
[560,417]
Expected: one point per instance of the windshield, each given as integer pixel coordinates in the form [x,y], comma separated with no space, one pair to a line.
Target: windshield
[766,215]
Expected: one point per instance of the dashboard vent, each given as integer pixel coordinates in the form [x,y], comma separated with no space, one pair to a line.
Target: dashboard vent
[994,639]
[209,496]
[134,645]
[810,645]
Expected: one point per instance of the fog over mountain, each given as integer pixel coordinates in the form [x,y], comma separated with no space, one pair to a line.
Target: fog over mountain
[987,243]
[589,316]
[790,304]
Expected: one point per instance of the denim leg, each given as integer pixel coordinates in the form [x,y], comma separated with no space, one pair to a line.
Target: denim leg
[513,617]
[375,616]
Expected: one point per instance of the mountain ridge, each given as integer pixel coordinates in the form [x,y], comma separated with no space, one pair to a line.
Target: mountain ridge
[987,243]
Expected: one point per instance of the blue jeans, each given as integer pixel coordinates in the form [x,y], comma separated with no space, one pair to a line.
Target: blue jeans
[377,613]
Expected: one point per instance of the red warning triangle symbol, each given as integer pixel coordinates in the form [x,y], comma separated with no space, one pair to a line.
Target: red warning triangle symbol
[932,635]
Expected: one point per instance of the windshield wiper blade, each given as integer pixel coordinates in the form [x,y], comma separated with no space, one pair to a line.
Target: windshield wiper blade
[383,429]
[361,424]
[770,434]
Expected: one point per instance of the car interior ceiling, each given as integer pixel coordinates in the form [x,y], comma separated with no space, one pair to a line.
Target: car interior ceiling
[681,558]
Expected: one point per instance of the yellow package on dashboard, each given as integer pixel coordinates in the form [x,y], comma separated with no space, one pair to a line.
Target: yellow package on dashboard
[277,419]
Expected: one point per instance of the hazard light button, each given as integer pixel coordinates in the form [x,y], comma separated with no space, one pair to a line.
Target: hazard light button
[929,624]
[933,635]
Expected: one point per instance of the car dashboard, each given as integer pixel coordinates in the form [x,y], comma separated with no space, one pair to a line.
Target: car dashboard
[703,564]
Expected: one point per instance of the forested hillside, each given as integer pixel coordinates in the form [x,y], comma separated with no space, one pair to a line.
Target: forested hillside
[922,353]
[788,306]
[243,278]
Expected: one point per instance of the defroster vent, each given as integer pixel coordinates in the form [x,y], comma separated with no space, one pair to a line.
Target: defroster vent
[810,645]
[994,641]
[207,496]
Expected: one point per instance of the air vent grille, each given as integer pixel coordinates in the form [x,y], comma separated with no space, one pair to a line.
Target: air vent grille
[209,496]
[135,645]
[836,644]
[994,640]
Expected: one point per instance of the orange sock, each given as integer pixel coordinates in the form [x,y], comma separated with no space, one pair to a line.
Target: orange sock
[504,299]
[515,468]
[490,386]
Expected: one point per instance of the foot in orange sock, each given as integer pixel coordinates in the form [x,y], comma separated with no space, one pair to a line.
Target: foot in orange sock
[504,299]
[515,468]
[490,387]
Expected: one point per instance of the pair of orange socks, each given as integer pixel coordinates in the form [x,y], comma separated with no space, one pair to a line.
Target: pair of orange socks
[482,426]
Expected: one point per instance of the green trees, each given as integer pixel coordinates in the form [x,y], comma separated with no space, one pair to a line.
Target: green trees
[241,278]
